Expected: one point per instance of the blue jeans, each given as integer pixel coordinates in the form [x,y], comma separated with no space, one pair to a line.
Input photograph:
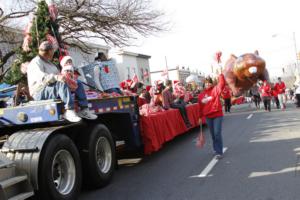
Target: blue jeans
[215,128]
[60,90]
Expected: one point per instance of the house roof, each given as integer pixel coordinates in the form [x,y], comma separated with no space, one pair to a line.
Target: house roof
[122,52]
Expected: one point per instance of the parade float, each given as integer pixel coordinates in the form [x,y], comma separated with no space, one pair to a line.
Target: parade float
[42,154]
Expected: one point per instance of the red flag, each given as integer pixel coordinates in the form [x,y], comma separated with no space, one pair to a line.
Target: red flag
[218,56]
[135,78]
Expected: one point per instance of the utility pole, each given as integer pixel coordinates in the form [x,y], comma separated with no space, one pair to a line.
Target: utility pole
[167,67]
[295,48]
[296,51]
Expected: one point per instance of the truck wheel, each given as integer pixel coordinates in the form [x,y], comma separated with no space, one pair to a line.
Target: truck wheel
[98,161]
[59,170]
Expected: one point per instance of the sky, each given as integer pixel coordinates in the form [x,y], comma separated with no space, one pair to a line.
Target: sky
[201,28]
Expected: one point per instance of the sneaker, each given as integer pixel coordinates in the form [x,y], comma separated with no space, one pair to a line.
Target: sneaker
[218,156]
[71,116]
[87,114]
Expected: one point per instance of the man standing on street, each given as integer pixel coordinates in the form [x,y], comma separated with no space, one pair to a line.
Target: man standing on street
[280,88]
[226,95]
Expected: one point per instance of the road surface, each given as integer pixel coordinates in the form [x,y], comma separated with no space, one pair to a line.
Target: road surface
[261,162]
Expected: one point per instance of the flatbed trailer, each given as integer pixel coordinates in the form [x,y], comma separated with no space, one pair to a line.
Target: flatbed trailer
[43,154]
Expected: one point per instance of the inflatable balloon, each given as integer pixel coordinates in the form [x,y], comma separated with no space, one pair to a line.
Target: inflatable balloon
[242,72]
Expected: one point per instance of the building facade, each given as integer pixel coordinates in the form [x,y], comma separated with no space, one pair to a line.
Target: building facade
[175,74]
[130,64]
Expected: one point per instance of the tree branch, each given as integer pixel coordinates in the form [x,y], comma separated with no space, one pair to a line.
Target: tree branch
[116,22]
[6,57]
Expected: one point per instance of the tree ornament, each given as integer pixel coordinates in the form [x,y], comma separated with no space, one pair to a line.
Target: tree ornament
[26,43]
[52,41]
[53,11]
[28,28]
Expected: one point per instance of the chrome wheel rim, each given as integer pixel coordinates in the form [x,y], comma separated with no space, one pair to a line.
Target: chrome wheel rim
[103,154]
[63,172]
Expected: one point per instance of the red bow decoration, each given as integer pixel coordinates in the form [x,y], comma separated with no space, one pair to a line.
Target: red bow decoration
[106,69]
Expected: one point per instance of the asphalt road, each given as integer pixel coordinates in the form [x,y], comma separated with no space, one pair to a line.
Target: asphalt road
[262,162]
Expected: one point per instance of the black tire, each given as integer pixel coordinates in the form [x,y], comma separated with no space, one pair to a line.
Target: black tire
[98,175]
[59,148]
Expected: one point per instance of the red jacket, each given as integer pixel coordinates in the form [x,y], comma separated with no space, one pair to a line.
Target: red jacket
[280,87]
[265,90]
[213,108]
[274,93]
[226,93]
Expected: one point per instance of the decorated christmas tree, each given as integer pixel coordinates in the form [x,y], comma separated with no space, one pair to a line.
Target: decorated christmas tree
[42,27]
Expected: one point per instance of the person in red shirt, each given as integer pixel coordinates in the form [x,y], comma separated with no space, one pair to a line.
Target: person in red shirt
[275,97]
[211,108]
[226,95]
[280,88]
[143,98]
[266,95]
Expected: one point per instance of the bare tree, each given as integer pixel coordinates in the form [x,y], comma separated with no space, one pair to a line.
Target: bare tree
[10,36]
[117,22]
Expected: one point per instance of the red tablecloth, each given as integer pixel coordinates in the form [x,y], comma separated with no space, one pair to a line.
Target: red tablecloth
[158,128]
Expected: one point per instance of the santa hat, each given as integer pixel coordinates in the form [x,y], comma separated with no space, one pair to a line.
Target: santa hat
[64,60]
[158,82]
[148,87]
[176,82]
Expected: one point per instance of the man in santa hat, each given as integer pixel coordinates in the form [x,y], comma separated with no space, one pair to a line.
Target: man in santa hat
[45,82]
